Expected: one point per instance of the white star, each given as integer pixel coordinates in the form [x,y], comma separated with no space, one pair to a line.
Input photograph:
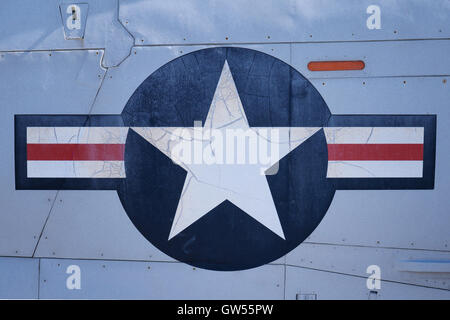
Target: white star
[214,171]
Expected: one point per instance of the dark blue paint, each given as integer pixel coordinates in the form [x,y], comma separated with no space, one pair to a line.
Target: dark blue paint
[273,94]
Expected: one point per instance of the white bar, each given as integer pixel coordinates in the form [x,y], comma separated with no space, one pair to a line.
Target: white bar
[113,135]
[375,169]
[75,169]
[372,135]
[428,266]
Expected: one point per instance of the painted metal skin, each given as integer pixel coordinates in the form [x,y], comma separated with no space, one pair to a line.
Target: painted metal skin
[404,232]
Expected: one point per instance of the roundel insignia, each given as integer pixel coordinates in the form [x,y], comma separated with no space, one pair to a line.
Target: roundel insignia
[226,158]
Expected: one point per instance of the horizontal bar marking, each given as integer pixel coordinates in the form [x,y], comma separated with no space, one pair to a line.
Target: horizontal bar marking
[98,152]
[375,152]
[336,65]
[75,169]
[375,169]
[383,152]
[82,152]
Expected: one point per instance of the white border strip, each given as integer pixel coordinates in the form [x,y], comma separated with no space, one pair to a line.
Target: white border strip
[75,169]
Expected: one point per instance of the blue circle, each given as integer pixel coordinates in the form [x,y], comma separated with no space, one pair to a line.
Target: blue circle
[273,94]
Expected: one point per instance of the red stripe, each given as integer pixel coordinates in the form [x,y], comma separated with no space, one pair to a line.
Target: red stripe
[348,152]
[80,152]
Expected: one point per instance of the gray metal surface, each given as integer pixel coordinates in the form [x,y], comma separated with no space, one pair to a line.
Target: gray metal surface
[26,25]
[93,225]
[177,22]
[37,82]
[331,285]
[147,280]
[418,267]
[382,59]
